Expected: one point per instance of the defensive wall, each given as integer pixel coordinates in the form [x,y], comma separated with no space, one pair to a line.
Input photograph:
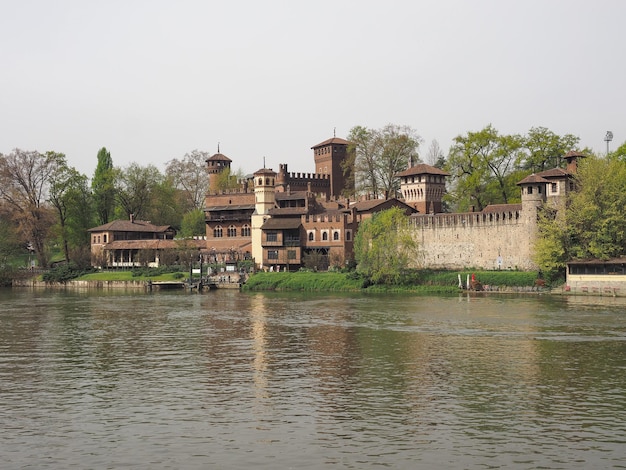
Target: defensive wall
[483,240]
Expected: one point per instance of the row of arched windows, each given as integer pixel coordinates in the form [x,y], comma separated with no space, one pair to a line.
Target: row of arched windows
[231,231]
[336,235]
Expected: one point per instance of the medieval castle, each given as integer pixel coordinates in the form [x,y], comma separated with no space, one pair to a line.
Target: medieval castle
[284,220]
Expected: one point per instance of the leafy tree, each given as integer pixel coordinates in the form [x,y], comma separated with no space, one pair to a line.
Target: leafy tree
[596,210]
[384,246]
[227,179]
[593,224]
[72,200]
[24,184]
[135,189]
[378,155]
[165,206]
[190,176]
[193,224]
[546,149]
[483,166]
[103,186]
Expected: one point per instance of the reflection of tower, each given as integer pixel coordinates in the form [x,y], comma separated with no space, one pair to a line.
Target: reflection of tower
[216,164]
[264,201]
[258,320]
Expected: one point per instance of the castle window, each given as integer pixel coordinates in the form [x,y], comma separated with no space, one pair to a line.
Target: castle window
[336,235]
[272,254]
[105,238]
[325,235]
[311,236]
[217,232]
[245,231]
[538,189]
[272,236]
[530,190]
[291,254]
[260,181]
[553,188]
[232,231]
[348,235]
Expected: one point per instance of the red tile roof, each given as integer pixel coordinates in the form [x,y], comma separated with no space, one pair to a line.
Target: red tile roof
[423,169]
[128,226]
[332,140]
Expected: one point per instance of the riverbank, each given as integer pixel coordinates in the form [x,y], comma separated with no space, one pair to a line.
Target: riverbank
[420,282]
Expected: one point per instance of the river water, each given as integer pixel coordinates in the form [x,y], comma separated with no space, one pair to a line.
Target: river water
[232,381]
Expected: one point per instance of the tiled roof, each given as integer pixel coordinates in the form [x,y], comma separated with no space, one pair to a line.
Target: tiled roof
[218,157]
[154,244]
[554,173]
[332,140]
[423,169]
[128,226]
[532,179]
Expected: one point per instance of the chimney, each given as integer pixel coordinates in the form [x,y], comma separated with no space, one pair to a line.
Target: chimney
[132,218]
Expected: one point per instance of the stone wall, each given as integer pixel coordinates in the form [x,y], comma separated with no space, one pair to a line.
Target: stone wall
[501,240]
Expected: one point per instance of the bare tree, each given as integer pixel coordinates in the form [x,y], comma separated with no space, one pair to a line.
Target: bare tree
[25,178]
[190,176]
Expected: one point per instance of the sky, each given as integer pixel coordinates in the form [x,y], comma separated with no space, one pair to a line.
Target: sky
[266,80]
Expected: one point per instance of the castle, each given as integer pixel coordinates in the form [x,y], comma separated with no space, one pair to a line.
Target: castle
[284,220]
[278,218]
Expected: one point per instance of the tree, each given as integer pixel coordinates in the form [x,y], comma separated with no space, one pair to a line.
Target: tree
[546,149]
[227,179]
[484,168]
[190,176]
[135,188]
[193,224]
[593,223]
[384,246]
[103,186]
[435,156]
[379,155]
[72,199]
[24,184]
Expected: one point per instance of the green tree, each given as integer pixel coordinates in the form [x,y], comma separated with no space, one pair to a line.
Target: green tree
[484,168]
[227,179]
[135,189]
[72,200]
[103,187]
[546,149]
[384,246]
[595,214]
[193,224]
[593,224]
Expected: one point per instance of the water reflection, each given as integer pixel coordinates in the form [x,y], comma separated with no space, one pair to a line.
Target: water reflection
[232,380]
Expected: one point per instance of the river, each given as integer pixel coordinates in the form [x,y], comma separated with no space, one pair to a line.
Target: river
[233,380]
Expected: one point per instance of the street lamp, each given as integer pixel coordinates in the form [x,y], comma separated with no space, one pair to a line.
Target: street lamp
[608,138]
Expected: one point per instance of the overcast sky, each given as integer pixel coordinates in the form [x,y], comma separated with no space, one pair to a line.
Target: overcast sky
[152,80]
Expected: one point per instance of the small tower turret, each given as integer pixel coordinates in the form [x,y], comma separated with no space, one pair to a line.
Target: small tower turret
[216,164]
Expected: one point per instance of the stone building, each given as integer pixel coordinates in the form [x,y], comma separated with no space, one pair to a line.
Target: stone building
[501,236]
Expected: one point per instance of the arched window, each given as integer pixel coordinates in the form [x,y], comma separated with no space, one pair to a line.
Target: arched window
[311,236]
[245,231]
[348,235]
[325,236]
[232,231]
[217,232]
[336,235]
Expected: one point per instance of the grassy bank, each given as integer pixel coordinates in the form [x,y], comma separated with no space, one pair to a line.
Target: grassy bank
[440,282]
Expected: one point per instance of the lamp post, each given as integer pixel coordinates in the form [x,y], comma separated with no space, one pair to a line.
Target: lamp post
[608,138]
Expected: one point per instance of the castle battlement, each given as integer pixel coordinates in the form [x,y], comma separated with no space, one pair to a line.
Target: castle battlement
[466,219]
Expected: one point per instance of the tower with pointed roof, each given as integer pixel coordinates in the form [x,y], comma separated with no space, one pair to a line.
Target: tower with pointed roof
[423,187]
[329,156]
[217,163]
